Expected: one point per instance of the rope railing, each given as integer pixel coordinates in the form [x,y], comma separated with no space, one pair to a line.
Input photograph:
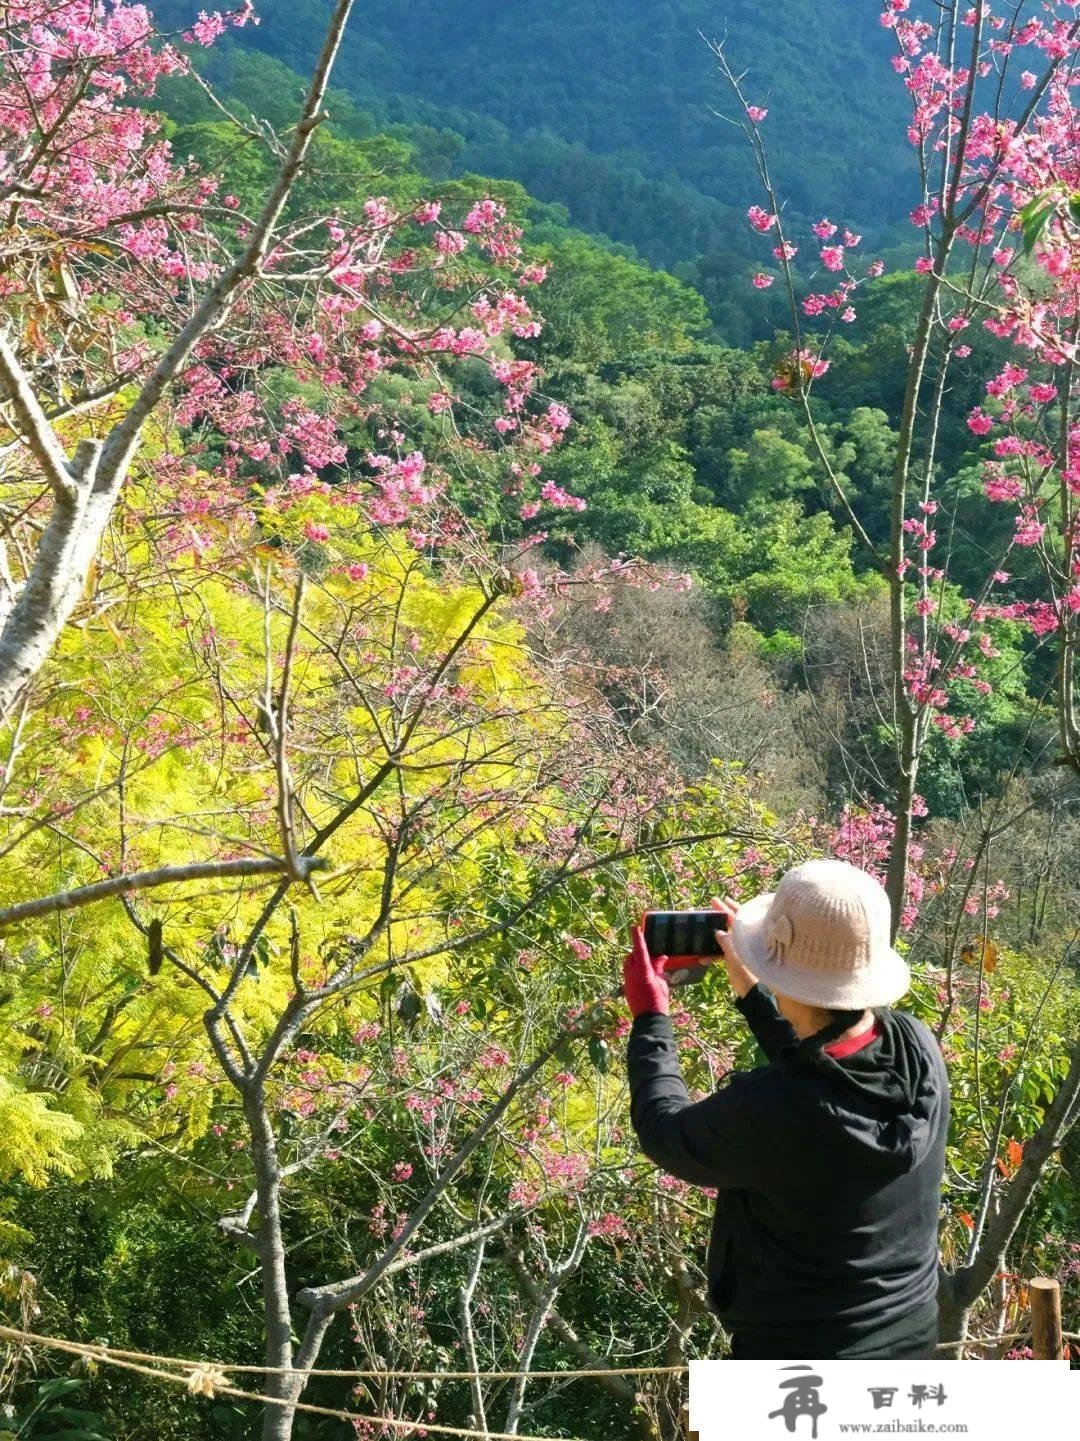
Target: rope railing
[102,1350]
[97,1348]
[204,1378]
[210,1378]
[983,1340]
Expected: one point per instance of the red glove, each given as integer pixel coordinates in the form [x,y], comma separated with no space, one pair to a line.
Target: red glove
[644,984]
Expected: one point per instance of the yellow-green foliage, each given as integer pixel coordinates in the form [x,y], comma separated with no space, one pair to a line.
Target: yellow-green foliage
[37,1138]
[142,749]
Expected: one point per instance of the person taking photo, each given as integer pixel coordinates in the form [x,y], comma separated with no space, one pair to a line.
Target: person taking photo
[828,1159]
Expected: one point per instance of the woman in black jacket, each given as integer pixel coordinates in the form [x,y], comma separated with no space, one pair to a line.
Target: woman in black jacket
[828,1160]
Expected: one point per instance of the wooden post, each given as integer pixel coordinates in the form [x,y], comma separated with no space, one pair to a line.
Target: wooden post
[1046,1339]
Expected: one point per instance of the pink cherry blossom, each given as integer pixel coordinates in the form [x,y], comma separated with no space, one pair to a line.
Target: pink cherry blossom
[1029,529]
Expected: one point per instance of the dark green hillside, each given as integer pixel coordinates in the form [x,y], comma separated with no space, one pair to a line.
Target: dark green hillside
[607,108]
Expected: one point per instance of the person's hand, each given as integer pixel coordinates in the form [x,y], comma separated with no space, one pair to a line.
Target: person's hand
[644,984]
[742,980]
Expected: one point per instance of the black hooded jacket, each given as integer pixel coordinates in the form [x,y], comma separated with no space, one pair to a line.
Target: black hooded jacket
[828,1173]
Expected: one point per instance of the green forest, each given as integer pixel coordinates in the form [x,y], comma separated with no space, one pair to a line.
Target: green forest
[610,110]
[683,453]
[505,536]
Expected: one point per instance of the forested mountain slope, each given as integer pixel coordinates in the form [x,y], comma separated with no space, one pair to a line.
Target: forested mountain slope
[609,108]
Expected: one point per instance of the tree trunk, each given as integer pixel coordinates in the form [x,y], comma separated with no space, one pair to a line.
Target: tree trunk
[952,1314]
[896,877]
[56,579]
[959,1290]
[478,1419]
[905,715]
[543,1303]
[278,1420]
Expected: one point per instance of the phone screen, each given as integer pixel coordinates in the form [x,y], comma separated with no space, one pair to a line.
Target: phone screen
[683,933]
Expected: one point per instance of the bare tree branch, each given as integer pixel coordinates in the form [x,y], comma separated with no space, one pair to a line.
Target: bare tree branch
[146,880]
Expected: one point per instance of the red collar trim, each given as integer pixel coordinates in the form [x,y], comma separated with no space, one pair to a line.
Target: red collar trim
[840,1049]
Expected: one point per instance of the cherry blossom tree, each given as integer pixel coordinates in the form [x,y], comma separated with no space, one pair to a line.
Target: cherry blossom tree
[994,132]
[106,232]
[141,303]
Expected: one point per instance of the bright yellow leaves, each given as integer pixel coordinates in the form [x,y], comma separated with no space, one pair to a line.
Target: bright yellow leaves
[415,735]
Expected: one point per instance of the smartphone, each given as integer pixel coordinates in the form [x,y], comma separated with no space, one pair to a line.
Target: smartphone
[687,938]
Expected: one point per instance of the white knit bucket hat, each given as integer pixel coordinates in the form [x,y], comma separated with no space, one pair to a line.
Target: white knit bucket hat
[823,938]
